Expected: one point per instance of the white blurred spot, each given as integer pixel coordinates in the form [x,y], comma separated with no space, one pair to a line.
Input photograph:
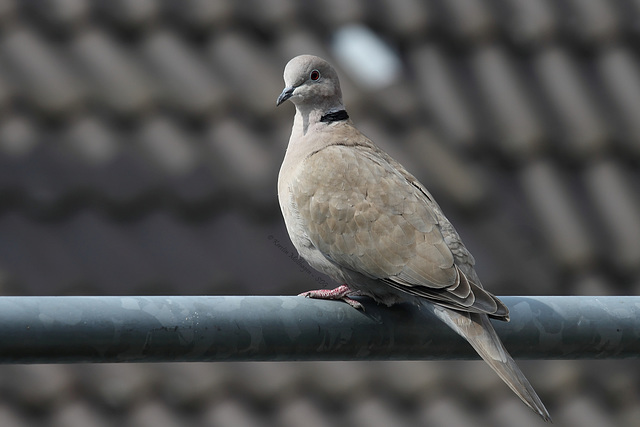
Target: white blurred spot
[368,59]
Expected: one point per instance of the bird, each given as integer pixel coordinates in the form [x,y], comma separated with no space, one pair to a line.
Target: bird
[357,215]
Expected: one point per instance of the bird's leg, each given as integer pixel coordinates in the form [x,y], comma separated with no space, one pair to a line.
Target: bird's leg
[341,293]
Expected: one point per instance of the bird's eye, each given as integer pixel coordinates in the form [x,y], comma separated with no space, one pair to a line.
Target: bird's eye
[315,75]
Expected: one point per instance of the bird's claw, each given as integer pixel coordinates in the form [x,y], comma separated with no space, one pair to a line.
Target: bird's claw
[340,293]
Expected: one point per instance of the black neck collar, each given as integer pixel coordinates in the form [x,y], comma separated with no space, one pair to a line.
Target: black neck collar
[334,116]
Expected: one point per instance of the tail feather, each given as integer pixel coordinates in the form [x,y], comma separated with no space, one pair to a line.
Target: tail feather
[478,331]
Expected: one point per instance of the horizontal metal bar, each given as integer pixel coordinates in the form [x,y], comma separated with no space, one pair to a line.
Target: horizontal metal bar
[219,328]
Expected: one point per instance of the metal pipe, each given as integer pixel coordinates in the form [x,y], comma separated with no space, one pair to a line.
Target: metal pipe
[242,328]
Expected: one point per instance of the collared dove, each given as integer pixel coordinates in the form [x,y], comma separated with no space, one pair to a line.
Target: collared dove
[357,215]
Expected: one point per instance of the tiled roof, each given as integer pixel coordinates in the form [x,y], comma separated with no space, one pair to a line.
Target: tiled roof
[139,150]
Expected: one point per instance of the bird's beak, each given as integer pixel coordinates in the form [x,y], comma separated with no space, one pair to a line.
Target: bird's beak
[286,94]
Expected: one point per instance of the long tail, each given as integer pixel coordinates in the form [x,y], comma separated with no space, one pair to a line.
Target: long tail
[478,331]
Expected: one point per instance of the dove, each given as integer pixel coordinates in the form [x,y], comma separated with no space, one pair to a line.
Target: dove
[355,214]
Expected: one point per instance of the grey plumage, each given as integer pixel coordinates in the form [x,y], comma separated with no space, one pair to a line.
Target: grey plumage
[357,215]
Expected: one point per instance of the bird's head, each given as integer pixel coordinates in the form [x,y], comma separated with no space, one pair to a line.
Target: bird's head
[312,81]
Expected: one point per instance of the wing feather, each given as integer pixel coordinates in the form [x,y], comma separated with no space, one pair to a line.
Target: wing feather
[367,214]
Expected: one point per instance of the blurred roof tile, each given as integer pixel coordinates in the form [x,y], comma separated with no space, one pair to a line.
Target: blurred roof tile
[41,73]
[407,380]
[447,411]
[184,80]
[78,414]
[275,15]
[92,140]
[470,21]
[585,412]
[249,167]
[629,11]
[338,379]
[619,206]
[112,73]
[562,377]
[621,387]
[168,146]
[302,408]
[232,412]
[620,74]
[384,136]
[583,129]
[300,41]
[518,127]
[116,387]
[131,15]
[253,74]
[442,95]
[629,415]
[398,102]
[200,15]
[485,385]
[407,19]
[10,417]
[377,412]
[530,22]
[59,14]
[508,258]
[8,11]
[592,284]
[7,91]
[593,21]
[508,410]
[445,171]
[156,414]
[17,136]
[188,385]
[557,213]
[38,387]
[335,13]
[279,383]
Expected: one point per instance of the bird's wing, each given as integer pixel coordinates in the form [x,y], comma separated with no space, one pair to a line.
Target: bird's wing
[363,213]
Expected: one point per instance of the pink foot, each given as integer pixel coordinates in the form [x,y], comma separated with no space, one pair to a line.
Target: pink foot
[341,293]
